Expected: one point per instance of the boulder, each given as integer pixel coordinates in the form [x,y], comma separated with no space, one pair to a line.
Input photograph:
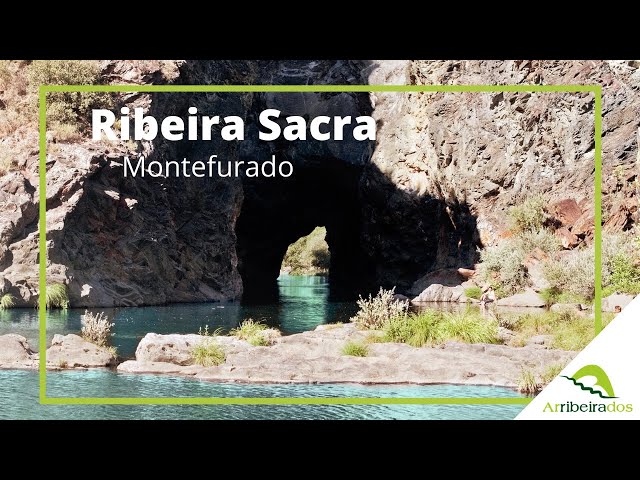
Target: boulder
[440,293]
[175,349]
[71,351]
[466,272]
[526,299]
[398,297]
[15,352]
[568,239]
[447,277]
[566,211]
[621,300]
[585,225]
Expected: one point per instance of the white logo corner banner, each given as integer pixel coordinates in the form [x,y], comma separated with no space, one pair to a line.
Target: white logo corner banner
[602,381]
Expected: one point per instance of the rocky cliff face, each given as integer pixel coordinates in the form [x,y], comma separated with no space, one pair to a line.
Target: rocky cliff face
[434,187]
[447,166]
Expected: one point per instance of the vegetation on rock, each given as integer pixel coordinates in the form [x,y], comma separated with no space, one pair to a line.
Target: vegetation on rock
[68,112]
[309,255]
[434,327]
[354,349]
[531,383]
[376,312]
[57,296]
[7,301]
[208,353]
[96,328]
[570,330]
[503,265]
[255,333]
[529,216]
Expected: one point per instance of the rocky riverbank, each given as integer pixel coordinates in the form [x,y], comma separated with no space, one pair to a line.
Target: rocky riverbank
[309,357]
[66,351]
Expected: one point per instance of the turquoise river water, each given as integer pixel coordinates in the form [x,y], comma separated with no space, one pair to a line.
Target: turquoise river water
[303,305]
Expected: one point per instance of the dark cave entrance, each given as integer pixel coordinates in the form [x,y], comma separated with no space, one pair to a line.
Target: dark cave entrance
[277,212]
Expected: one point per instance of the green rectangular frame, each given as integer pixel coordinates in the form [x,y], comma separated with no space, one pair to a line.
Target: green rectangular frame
[44,89]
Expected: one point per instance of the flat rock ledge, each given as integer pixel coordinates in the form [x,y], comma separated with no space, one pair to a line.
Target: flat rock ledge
[66,351]
[315,357]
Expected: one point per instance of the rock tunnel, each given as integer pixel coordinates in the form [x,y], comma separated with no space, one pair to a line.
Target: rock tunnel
[276,214]
[148,241]
[323,191]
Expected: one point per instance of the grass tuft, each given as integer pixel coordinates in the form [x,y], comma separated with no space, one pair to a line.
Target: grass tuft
[432,327]
[528,383]
[208,353]
[354,349]
[7,301]
[57,296]
[253,332]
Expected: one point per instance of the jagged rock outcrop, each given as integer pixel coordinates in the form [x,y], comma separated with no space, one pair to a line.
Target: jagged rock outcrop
[72,351]
[447,166]
[435,186]
[15,352]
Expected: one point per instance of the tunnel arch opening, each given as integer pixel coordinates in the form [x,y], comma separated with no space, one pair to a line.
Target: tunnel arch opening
[309,255]
[276,214]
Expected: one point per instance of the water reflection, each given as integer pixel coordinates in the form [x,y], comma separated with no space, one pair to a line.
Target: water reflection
[304,304]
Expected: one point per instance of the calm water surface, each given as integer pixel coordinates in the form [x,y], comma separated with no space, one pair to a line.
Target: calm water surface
[19,399]
[303,305]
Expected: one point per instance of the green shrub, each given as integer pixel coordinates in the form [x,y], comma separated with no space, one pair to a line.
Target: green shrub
[468,327]
[7,301]
[309,255]
[574,273]
[544,239]
[473,292]
[554,295]
[57,296]
[502,267]
[96,328]
[414,330]
[620,260]
[624,276]
[208,353]
[529,216]
[69,108]
[355,349]
[550,295]
[255,333]
[507,320]
[375,312]
[432,327]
